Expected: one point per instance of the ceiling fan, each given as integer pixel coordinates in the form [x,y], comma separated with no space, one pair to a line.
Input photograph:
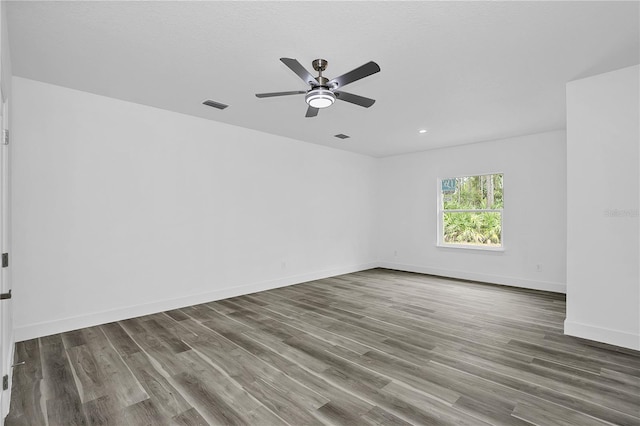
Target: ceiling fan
[324,92]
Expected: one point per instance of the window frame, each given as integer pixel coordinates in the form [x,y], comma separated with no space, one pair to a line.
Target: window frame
[440,243]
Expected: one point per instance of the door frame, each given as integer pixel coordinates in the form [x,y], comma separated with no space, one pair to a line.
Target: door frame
[7,338]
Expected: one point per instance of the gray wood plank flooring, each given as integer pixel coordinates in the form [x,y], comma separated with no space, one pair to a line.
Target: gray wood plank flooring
[377,347]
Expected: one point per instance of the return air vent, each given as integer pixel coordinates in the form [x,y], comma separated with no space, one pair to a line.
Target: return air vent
[342,136]
[214,104]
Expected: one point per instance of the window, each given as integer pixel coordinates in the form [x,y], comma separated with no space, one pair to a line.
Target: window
[470,211]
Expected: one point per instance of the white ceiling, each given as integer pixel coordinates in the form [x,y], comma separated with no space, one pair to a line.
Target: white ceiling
[466,71]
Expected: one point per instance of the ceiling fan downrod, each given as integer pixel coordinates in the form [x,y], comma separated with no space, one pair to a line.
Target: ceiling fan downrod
[321,65]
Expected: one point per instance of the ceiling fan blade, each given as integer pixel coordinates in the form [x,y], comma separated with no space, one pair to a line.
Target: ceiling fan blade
[355,75]
[355,99]
[269,95]
[297,67]
[312,112]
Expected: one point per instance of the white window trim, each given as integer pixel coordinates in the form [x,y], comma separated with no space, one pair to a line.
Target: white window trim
[440,228]
[469,247]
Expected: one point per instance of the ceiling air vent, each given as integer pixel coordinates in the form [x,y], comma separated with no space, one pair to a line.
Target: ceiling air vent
[214,104]
[341,136]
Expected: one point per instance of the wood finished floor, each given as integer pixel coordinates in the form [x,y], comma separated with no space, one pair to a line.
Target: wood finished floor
[374,347]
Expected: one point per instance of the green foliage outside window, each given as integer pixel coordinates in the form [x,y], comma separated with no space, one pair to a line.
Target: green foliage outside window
[477,228]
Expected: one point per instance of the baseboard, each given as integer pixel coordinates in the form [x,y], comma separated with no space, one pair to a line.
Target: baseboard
[604,335]
[35,330]
[32,331]
[473,276]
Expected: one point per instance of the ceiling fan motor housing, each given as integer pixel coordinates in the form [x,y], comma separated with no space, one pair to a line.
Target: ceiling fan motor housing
[320,96]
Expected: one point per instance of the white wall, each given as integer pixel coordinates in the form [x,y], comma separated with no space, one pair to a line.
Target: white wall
[5,60]
[121,210]
[603,279]
[534,229]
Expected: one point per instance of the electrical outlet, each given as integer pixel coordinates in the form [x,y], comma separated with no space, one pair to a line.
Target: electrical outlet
[539,267]
[395,253]
[283,265]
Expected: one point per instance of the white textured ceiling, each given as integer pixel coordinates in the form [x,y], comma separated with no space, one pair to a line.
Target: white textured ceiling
[466,71]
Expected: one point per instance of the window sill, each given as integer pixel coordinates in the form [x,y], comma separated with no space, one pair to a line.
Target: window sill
[470,247]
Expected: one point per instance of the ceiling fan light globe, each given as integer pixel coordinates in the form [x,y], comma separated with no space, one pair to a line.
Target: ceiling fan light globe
[320,98]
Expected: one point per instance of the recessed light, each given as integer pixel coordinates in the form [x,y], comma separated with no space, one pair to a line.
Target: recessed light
[422,131]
